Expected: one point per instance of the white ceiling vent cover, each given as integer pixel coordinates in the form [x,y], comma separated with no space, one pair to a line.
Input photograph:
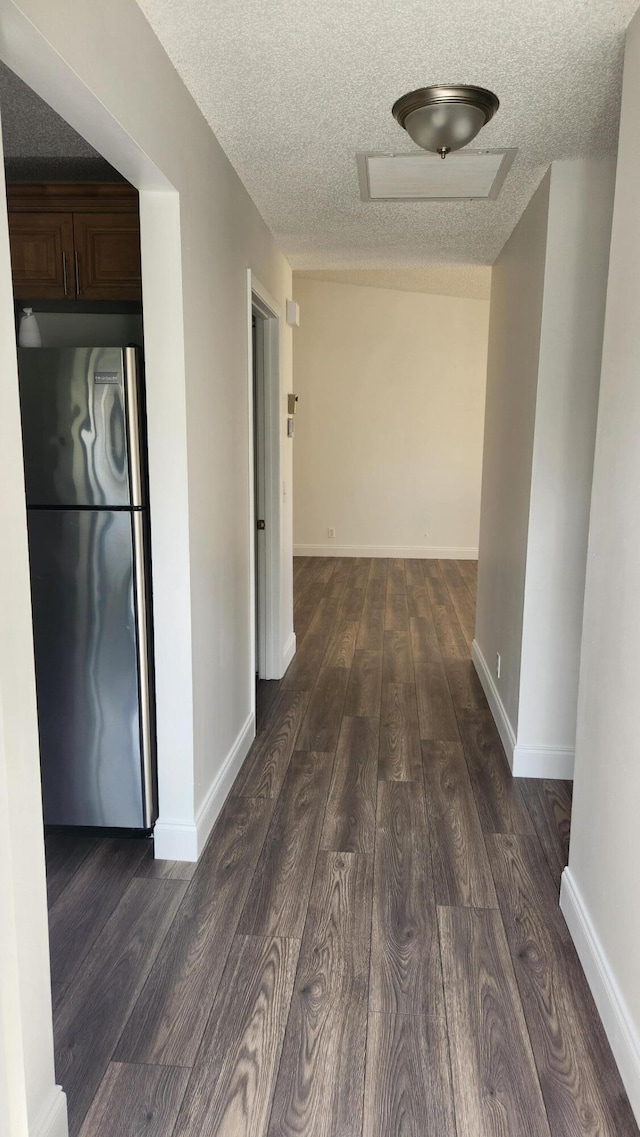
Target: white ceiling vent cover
[426,177]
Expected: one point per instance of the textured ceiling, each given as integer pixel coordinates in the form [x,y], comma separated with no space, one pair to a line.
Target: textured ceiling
[293,90]
[38,145]
[31,129]
[470,281]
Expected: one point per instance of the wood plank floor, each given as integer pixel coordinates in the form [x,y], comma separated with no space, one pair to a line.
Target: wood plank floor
[371,944]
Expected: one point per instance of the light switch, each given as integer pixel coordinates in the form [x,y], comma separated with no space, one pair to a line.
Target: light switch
[293,314]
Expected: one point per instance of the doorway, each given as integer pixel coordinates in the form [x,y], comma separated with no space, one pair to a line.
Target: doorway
[264,483]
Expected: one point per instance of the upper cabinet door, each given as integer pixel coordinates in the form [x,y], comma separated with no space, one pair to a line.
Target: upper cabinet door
[42,258]
[107,252]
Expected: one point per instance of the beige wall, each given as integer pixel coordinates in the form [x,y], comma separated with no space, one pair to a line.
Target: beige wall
[600,895]
[388,444]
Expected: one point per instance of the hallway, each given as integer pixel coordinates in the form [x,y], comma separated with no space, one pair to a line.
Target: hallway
[371,943]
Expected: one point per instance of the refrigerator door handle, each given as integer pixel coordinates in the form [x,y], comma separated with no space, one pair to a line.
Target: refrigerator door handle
[141,583]
[134,427]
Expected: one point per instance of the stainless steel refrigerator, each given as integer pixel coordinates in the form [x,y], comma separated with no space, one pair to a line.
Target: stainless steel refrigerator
[83,426]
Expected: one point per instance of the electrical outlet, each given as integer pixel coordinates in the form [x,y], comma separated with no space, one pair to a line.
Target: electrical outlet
[498,664]
[331,532]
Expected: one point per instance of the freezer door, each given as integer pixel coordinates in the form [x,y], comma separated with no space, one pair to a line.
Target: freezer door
[87,667]
[80,427]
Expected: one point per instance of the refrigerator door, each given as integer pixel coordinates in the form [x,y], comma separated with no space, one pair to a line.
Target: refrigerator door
[80,427]
[87,651]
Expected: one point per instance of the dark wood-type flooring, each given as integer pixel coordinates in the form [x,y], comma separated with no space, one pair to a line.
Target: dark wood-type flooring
[371,944]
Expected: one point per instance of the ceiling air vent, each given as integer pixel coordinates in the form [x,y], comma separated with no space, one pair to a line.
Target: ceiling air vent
[469,174]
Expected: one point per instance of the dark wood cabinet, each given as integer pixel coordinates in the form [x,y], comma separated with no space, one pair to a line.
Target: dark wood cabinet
[107,256]
[42,260]
[74,242]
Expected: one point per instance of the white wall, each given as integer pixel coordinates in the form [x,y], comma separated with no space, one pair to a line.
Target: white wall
[104,70]
[388,445]
[28,1094]
[512,378]
[600,895]
[539,442]
[578,241]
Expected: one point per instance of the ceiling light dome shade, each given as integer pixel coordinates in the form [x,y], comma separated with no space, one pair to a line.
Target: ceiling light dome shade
[442,119]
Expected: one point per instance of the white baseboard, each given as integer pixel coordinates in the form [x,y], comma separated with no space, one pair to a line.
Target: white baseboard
[219,789]
[505,729]
[184,840]
[175,840]
[525,761]
[288,653]
[612,1007]
[407,552]
[52,1118]
[543,762]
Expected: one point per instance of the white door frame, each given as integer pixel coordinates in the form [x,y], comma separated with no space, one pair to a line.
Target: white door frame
[270,663]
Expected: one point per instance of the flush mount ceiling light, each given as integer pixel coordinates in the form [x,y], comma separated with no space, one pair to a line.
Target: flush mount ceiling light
[442,119]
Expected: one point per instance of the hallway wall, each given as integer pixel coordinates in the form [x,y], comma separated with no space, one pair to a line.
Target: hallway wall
[388,446]
[512,378]
[575,286]
[600,895]
[545,346]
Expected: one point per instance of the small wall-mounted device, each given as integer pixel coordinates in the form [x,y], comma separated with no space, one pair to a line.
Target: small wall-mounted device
[291,403]
[291,427]
[293,314]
